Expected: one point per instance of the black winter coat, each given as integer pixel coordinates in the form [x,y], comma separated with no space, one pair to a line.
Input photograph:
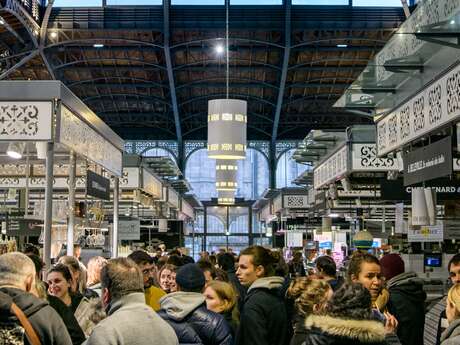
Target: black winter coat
[264,319]
[46,322]
[327,330]
[186,313]
[71,323]
[407,304]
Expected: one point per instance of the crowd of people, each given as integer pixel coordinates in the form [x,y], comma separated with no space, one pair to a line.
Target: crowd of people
[255,298]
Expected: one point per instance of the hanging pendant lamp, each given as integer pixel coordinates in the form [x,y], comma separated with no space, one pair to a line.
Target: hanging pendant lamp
[226,171]
[226,198]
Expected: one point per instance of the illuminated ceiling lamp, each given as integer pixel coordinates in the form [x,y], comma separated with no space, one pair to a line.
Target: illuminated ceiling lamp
[226,198]
[227,120]
[420,215]
[16,149]
[226,171]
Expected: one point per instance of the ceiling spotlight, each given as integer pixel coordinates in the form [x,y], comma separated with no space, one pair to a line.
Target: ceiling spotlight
[342,45]
[219,49]
[53,34]
[98,45]
[452,21]
[2,21]
[15,150]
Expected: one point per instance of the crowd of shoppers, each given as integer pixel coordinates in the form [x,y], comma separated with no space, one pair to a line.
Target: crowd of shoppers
[254,298]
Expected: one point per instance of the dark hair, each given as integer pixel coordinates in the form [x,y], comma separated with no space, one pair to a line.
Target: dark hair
[351,301]
[31,249]
[121,277]
[280,265]
[140,257]
[262,257]
[226,261]
[357,259]
[175,260]
[38,262]
[454,261]
[221,275]
[206,265]
[63,269]
[213,259]
[327,265]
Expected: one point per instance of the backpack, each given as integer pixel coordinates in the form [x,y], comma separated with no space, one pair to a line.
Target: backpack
[15,332]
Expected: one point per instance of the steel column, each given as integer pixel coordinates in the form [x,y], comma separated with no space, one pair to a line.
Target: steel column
[116,194]
[71,207]
[48,204]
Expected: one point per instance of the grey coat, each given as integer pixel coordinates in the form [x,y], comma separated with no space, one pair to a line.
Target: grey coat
[451,336]
[131,321]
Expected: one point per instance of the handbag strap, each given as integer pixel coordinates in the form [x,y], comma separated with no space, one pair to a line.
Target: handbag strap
[30,332]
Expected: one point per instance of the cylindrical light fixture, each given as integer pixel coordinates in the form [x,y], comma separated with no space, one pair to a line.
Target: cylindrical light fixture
[226,198]
[41,149]
[16,149]
[431,201]
[419,210]
[227,122]
[226,170]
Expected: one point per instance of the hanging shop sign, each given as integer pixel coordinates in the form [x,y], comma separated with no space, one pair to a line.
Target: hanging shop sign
[445,189]
[429,162]
[129,230]
[25,227]
[97,186]
[433,233]
[364,158]
[294,239]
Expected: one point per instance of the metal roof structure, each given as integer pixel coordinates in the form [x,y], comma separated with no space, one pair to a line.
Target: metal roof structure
[158,67]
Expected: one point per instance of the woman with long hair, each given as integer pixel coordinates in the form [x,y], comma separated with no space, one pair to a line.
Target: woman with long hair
[451,336]
[167,278]
[264,318]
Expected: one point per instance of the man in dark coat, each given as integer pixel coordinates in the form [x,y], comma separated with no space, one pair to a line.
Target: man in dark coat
[407,299]
[17,280]
[185,310]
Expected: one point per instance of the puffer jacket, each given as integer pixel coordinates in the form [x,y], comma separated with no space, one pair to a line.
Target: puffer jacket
[194,324]
[328,330]
[451,336]
[264,319]
[407,304]
[44,319]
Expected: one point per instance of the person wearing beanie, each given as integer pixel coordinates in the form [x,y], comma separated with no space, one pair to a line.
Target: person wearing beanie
[185,310]
[407,299]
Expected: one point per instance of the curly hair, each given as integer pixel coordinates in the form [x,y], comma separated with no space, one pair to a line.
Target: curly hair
[351,301]
[357,259]
[306,293]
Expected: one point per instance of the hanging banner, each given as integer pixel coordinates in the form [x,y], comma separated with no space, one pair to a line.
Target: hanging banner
[26,227]
[97,186]
[445,188]
[399,219]
[294,239]
[429,162]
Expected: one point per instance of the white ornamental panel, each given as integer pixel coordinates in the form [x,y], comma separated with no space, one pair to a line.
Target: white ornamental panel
[333,168]
[429,110]
[151,185]
[364,158]
[85,141]
[296,201]
[26,121]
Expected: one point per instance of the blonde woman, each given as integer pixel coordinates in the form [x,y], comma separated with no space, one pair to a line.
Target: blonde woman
[221,298]
[451,335]
[95,265]
[310,297]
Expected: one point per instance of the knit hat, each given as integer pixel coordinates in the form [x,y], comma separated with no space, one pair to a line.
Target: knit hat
[392,265]
[190,277]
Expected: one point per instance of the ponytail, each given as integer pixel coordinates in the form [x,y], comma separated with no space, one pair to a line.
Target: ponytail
[262,257]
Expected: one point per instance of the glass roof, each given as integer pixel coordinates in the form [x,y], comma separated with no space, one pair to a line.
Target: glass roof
[409,60]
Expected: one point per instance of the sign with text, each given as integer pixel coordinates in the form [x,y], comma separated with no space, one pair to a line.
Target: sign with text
[445,189]
[427,233]
[26,227]
[129,230]
[97,186]
[429,162]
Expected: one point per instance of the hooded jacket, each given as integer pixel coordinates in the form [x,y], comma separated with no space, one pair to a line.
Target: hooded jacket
[407,304]
[132,322]
[328,330]
[451,336]
[45,321]
[194,324]
[264,318]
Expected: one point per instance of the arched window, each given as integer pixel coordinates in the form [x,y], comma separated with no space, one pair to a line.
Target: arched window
[252,175]
[288,169]
[158,152]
